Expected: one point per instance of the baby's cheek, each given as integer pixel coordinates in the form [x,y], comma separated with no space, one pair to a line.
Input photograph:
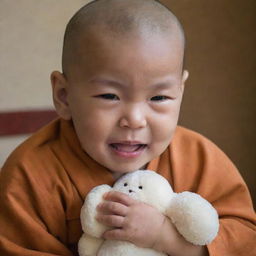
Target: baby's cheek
[164,134]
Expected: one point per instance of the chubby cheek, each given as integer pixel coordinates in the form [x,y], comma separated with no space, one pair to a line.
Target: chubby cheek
[94,129]
[91,130]
[91,139]
[163,128]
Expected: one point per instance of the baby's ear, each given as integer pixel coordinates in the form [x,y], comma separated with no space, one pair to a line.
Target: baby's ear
[59,93]
[185,76]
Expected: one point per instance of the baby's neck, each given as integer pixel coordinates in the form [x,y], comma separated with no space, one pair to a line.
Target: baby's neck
[117,175]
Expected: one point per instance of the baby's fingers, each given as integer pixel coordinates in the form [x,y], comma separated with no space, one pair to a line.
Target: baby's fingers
[119,197]
[110,207]
[116,234]
[111,220]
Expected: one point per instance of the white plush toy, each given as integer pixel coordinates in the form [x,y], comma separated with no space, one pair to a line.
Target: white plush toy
[194,217]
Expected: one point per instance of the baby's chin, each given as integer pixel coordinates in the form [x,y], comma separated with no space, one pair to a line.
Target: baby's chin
[118,173]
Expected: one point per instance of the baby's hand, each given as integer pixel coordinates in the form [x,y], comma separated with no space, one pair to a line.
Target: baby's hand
[132,221]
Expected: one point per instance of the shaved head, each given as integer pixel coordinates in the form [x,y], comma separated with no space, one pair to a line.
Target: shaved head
[118,18]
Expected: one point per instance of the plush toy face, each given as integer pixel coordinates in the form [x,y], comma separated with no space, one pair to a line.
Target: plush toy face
[146,186]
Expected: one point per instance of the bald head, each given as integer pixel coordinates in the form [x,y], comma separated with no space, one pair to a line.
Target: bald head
[119,18]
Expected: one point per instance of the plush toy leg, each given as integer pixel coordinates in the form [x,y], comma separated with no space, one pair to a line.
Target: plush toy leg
[89,245]
[194,217]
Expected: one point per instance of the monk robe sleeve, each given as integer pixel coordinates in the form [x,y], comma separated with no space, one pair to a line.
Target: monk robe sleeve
[237,234]
[201,167]
[32,218]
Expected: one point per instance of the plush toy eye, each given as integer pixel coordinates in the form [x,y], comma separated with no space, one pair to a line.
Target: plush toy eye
[125,184]
[140,187]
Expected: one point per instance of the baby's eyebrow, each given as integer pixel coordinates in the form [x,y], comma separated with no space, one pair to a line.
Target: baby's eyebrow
[109,82]
[165,84]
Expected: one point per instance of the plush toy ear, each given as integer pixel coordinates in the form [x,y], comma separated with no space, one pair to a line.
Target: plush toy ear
[194,217]
[88,212]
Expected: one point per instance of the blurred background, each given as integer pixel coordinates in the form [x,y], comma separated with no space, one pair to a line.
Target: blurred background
[220,95]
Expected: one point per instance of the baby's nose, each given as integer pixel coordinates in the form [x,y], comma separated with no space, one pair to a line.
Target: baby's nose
[133,118]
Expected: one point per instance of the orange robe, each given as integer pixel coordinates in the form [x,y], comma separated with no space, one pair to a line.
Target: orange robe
[45,180]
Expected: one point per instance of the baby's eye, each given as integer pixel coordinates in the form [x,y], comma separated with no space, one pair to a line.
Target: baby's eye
[108,96]
[159,98]
[125,184]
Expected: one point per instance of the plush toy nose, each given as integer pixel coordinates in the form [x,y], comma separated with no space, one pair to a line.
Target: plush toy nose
[130,191]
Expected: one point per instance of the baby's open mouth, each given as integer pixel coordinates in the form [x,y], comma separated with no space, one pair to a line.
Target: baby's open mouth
[123,147]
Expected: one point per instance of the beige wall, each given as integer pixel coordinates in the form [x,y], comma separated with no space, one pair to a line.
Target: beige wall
[30,48]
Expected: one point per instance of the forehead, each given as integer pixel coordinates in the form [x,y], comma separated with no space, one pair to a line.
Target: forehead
[101,49]
[101,36]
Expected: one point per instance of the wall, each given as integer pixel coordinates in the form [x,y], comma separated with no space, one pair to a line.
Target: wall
[30,49]
[220,94]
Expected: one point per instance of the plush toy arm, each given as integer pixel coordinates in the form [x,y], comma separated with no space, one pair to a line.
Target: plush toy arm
[194,217]
[88,245]
[90,225]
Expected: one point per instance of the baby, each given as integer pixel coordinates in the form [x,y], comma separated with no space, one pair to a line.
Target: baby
[118,98]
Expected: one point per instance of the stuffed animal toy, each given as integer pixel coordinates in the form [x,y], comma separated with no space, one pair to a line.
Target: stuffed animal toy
[194,217]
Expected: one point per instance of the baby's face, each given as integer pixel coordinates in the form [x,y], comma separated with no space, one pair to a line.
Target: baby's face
[124,97]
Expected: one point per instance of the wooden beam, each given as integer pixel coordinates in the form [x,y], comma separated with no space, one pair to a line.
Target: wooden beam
[24,122]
